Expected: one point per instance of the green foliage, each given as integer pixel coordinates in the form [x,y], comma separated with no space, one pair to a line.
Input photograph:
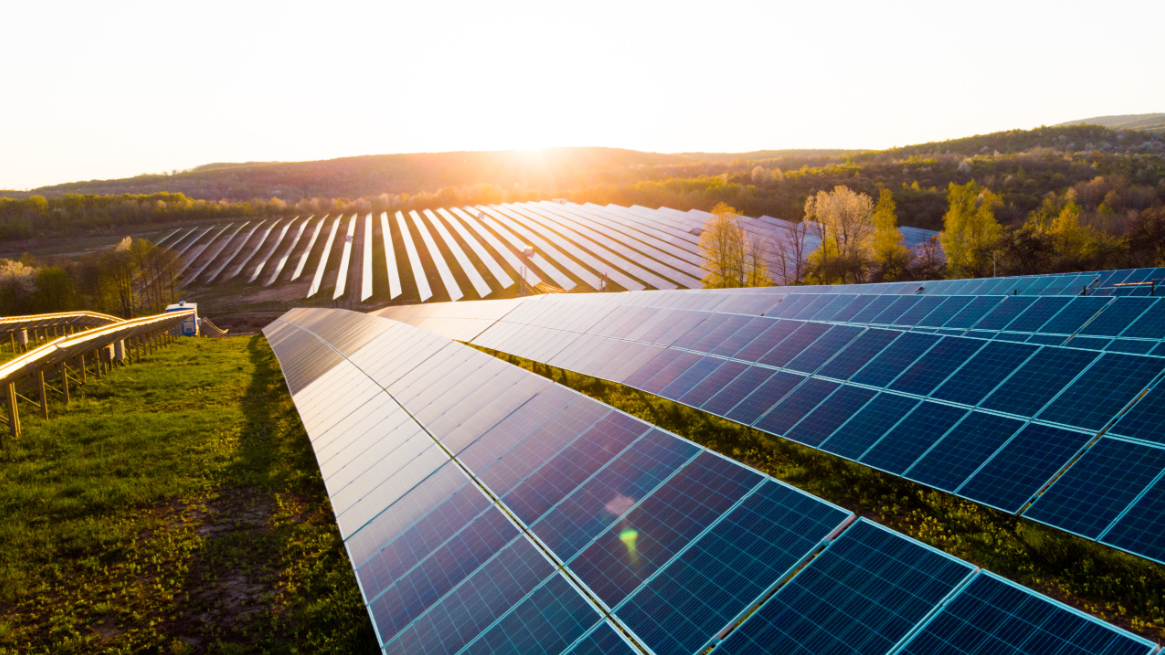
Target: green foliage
[970,232]
[892,258]
[174,506]
[1117,587]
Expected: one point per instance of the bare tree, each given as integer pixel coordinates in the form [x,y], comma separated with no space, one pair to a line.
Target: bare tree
[731,258]
[792,251]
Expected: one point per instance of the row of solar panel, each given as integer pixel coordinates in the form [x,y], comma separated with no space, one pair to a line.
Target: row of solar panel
[477,500]
[803,385]
[1123,282]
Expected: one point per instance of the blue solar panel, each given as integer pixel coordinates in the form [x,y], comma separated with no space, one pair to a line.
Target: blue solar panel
[1146,419]
[776,332]
[991,615]
[1151,324]
[945,311]
[963,450]
[835,306]
[661,525]
[648,370]
[824,348]
[899,307]
[688,380]
[983,372]
[806,311]
[1010,478]
[592,507]
[875,307]
[862,595]
[603,640]
[1039,380]
[559,474]
[1040,312]
[936,365]
[1117,316]
[736,390]
[741,338]
[1103,390]
[477,602]
[781,418]
[972,313]
[895,358]
[1098,486]
[728,568]
[670,373]
[1131,347]
[763,397]
[1139,530]
[549,620]
[1075,315]
[1005,313]
[858,353]
[724,374]
[912,437]
[794,344]
[830,414]
[868,425]
[723,328]
[924,306]
[846,314]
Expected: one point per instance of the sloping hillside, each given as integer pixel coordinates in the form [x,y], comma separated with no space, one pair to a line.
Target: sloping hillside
[1140,122]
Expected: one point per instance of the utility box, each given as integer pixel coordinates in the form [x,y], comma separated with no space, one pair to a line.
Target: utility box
[189,326]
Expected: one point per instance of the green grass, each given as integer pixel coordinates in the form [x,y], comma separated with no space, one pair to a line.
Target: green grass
[1120,588]
[176,507]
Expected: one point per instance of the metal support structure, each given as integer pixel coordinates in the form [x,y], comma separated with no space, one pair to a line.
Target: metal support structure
[44,397]
[65,381]
[13,414]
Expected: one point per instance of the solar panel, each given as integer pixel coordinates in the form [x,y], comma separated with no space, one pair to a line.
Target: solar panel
[992,615]
[438,259]
[913,436]
[1138,529]
[863,594]
[868,425]
[414,257]
[963,450]
[1103,390]
[936,365]
[1098,487]
[1118,316]
[1038,380]
[1039,313]
[345,259]
[1022,466]
[804,399]
[895,359]
[1075,315]
[318,279]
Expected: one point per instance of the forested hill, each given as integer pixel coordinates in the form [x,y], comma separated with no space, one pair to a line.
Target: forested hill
[1141,122]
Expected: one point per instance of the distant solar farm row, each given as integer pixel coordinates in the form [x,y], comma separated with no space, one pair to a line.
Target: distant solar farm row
[470,252]
[487,510]
[1048,406]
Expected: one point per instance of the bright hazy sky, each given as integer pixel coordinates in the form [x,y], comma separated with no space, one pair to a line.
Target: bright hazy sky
[95,90]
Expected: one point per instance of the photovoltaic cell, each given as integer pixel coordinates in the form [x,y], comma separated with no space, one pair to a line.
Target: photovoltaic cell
[1103,390]
[907,441]
[549,620]
[742,337]
[794,344]
[1139,530]
[736,390]
[868,425]
[659,527]
[776,333]
[1118,316]
[763,397]
[602,641]
[724,374]
[858,353]
[1038,380]
[846,314]
[1098,486]
[1146,419]
[939,362]
[1075,315]
[963,450]
[1005,312]
[1040,312]
[972,312]
[1010,478]
[991,615]
[830,414]
[781,418]
[728,568]
[1151,324]
[895,359]
[983,372]
[945,311]
[824,348]
[862,595]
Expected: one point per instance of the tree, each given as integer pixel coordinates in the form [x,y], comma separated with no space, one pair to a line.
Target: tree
[970,232]
[843,220]
[888,245]
[760,175]
[731,258]
[791,251]
[54,291]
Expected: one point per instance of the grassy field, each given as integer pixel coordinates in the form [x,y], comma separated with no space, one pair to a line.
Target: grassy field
[174,507]
[1125,590]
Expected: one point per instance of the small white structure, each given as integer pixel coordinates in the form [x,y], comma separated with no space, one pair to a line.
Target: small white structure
[189,327]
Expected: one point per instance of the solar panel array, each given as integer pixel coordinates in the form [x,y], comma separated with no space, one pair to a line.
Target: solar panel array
[1070,435]
[470,252]
[486,509]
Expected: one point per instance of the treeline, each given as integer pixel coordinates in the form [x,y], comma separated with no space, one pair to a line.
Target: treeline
[133,278]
